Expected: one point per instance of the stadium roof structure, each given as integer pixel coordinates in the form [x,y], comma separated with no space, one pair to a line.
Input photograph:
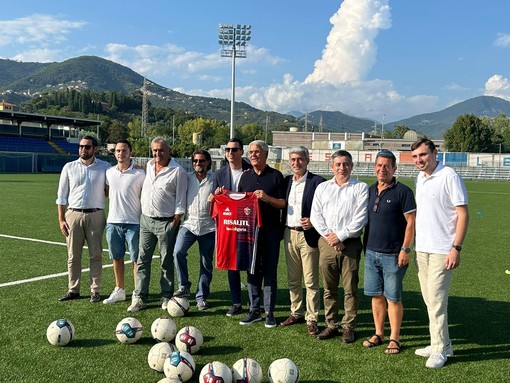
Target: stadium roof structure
[46,120]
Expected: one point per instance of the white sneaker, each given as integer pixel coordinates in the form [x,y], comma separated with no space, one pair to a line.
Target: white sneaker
[117,295]
[164,303]
[136,305]
[427,351]
[436,360]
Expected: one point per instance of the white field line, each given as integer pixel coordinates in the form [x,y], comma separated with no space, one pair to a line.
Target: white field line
[35,279]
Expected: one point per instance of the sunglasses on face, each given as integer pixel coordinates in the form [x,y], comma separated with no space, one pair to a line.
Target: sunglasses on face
[233,150]
[86,147]
[198,161]
[377,202]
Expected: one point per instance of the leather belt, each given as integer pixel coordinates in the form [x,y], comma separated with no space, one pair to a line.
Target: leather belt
[84,210]
[163,218]
[296,228]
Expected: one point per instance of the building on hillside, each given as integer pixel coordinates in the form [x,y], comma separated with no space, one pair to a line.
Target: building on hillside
[8,106]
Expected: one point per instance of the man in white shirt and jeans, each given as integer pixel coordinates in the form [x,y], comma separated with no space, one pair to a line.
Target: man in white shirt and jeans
[198,226]
[125,181]
[163,204]
[82,188]
[442,219]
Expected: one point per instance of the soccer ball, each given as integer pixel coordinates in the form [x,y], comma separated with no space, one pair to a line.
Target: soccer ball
[163,329]
[128,330]
[215,372]
[168,380]
[247,370]
[179,365]
[60,332]
[178,306]
[283,371]
[158,353]
[189,339]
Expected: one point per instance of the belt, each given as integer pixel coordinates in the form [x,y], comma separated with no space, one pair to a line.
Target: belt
[296,228]
[163,218]
[84,210]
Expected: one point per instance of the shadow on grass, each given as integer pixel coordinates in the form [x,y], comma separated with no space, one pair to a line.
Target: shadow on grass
[88,343]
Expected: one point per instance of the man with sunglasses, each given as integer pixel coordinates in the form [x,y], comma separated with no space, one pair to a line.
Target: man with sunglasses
[227,178]
[387,238]
[198,226]
[339,214]
[82,189]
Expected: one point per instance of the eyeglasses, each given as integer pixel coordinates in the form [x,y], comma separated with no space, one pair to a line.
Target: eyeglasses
[233,150]
[86,147]
[198,161]
[385,153]
[375,209]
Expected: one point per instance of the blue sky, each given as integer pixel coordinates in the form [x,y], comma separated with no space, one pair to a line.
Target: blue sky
[381,59]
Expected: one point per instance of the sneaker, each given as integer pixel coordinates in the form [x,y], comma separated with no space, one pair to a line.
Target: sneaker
[136,305]
[253,316]
[234,310]
[270,321]
[117,295]
[95,297]
[164,303]
[202,305]
[182,292]
[69,296]
[436,360]
[427,351]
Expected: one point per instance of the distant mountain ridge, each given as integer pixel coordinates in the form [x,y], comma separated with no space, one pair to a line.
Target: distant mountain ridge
[21,81]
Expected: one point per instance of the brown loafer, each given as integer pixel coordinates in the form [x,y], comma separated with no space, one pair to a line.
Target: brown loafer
[328,332]
[312,328]
[348,335]
[292,320]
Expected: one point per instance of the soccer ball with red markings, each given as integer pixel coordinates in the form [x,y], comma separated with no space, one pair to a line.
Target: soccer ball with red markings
[247,370]
[178,306]
[283,371]
[189,339]
[215,372]
[60,332]
[128,330]
[179,365]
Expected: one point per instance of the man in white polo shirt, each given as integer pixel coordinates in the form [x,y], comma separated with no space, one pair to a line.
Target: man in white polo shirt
[125,181]
[441,224]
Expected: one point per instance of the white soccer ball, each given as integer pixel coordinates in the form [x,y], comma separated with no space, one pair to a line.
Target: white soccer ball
[60,332]
[158,354]
[163,329]
[167,380]
[178,306]
[129,330]
[215,372]
[247,370]
[179,365]
[189,339]
[283,371]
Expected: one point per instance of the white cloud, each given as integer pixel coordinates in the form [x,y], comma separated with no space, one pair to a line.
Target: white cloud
[40,55]
[503,40]
[498,86]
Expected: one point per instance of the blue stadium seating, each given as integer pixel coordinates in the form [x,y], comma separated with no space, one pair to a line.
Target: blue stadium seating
[25,144]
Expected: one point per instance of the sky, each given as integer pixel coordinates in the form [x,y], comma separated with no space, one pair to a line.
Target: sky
[380,59]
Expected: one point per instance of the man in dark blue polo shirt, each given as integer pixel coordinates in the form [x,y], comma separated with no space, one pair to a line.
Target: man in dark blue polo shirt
[267,185]
[388,238]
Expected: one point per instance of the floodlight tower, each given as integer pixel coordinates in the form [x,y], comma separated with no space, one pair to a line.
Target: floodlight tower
[232,39]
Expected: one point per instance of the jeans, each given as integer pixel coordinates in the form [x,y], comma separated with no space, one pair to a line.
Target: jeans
[185,239]
[383,276]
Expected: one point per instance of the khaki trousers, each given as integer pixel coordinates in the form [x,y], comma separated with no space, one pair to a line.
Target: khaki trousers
[85,227]
[345,265]
[302,265]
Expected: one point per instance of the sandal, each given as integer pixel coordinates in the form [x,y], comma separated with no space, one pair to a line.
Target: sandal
[369,344]
[393,350]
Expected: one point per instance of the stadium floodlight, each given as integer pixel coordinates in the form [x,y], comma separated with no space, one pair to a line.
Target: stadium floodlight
[232,39]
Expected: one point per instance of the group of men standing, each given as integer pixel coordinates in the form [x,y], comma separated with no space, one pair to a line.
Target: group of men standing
[321,223]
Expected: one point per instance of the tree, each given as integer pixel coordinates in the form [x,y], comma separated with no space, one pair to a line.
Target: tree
[469,133]
[399,131]
[501,128]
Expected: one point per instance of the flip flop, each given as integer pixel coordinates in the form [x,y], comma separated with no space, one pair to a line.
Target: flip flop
[369,344]
[393,350]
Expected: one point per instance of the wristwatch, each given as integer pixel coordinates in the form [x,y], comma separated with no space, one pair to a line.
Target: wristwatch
[405,249]
[457,247]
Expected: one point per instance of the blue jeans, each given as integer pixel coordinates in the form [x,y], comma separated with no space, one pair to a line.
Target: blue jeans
[118,236]
[383,276]
[155,232]
[185,239]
